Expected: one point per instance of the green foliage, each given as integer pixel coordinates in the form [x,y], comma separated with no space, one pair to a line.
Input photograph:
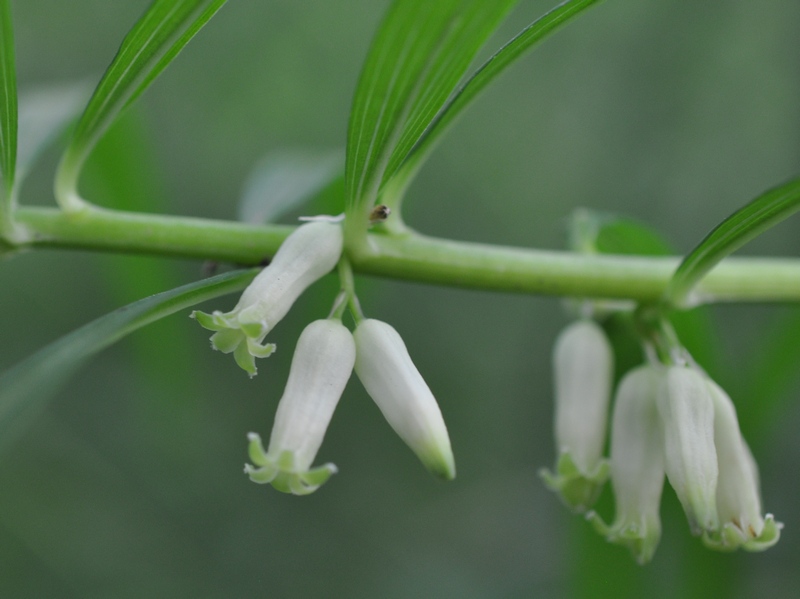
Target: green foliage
[486,74]
[747,223]
[414,86]
[25,388]
[419,54]
[8,113]
[156,39]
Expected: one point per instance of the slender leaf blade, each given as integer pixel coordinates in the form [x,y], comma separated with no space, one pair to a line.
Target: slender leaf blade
[419,55]
[26,387]
[8,114]
[153,42]
[517,47]
[747,223]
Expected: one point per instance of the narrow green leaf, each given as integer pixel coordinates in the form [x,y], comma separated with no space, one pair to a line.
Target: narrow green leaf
[284,180]
[26,387]
[745,224]
[8,115]
[155,40]
[494,66]
[419,55]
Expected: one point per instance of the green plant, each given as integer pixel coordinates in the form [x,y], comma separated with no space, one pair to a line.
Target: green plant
[414,83]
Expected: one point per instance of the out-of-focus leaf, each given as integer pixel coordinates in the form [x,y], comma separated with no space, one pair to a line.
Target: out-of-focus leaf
[156,39]
[769,374]
[8,114]
[421,51]
[26,387]
[284,180]
[44,112]
[507,55]
[747,223]
[607,233]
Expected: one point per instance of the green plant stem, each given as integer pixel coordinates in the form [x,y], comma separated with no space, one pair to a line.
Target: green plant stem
[416,257]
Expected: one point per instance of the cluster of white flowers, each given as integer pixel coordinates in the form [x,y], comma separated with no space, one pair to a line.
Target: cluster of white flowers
[325,356]
[668,420]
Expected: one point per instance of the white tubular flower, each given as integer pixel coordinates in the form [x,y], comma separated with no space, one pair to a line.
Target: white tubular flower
[583,368]
[396,386]
[687,411]
[306,255]
[637,465]
[738,497]
[321,367]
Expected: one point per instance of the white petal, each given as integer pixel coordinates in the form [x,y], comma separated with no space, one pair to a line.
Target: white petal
[321,366]
[583,368]
[398,389]
[687,411]
[637,464]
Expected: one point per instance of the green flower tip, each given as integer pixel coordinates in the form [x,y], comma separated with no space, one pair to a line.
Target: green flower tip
[439,461]
[578,490]
[639,535]
[233,335]
[731,536]
[280,471]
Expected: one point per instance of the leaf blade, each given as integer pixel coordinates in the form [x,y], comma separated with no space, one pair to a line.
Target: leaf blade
[26,387]
[420,53]
[8,115]
[153,42]
[517,47]
[747,223]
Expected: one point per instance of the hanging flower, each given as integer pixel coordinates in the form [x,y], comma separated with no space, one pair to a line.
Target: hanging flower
[309,253]
[321,366]
[583,368]
[686,408]
[637,465]
[738,497]
[394,383]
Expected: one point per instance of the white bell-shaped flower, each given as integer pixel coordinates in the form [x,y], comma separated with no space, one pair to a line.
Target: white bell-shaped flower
[686,408]
[321,366]
[309,253]
[738,496]
[583,362]
[398,389]
[637,465]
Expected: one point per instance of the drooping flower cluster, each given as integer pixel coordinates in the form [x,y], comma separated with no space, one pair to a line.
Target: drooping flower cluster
[325,356]
[668,420]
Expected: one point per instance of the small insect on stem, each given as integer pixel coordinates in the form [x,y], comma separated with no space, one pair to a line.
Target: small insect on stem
[379,214]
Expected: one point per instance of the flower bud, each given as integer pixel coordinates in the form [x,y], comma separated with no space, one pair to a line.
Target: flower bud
[583,368]
[309,253]
[738,498]
[637,465]
[396,386]
[687,411]
[321,367]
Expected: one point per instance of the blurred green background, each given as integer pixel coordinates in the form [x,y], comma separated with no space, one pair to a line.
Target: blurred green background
[131,484]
